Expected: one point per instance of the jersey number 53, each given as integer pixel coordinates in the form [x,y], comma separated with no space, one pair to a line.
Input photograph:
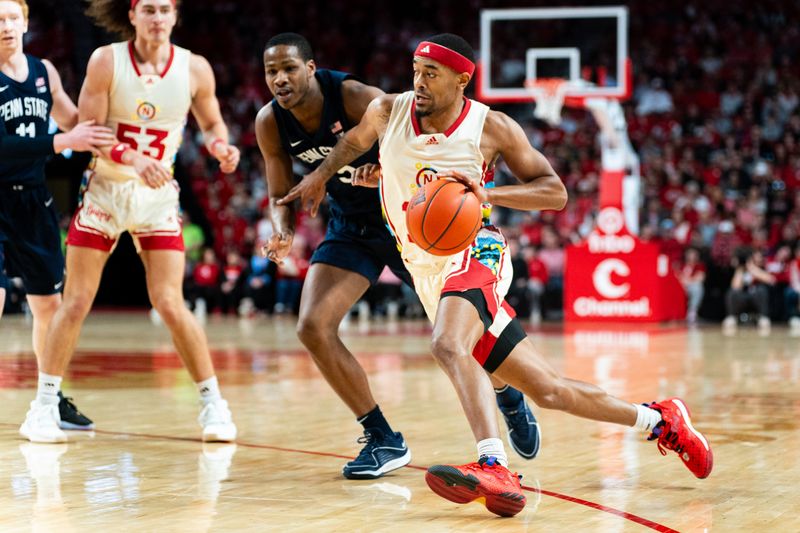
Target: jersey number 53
[131,135]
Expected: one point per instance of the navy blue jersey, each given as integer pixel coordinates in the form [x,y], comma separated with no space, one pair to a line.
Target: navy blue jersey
[360,203]
[25,111]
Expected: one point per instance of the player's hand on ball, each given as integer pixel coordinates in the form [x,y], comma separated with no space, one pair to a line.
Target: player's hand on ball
[310,190]
[368,175]
[278,247]
[151,171]
[228,157]
[473,185]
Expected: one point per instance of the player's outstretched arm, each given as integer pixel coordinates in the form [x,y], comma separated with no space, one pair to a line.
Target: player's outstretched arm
[357,141]
[205,108]
[280,178]
[540,186]
[84,137]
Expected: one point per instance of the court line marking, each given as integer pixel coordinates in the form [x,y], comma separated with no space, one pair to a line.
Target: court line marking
[579,501]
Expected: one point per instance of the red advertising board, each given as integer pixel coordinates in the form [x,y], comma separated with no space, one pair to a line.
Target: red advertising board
[614,277]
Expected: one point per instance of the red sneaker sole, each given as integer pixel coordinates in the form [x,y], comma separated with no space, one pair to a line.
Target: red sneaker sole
[451,484]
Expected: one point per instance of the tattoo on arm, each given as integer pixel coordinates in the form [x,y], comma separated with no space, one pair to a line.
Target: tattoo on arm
[343,153]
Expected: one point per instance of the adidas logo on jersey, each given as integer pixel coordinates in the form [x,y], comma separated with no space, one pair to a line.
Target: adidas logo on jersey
[430,141]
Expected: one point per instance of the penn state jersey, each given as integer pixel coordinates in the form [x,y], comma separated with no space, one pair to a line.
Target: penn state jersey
[312,148]
[25,111]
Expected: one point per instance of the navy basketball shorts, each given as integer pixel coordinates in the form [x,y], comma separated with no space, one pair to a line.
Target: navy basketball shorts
[361,248]
[30,241]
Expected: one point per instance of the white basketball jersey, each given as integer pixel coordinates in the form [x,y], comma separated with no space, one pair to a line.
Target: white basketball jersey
[410,159]
[147,111]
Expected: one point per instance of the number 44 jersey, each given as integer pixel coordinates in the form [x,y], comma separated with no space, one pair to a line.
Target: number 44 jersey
[25,111]
[147,111]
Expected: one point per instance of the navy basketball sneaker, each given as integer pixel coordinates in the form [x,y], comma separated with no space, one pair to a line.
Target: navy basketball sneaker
[380,454]
[523,429]
[71,418]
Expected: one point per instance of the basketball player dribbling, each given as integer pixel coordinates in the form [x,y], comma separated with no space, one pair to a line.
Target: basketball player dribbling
[311,110]
[142,89]
[436,126]
[30,239]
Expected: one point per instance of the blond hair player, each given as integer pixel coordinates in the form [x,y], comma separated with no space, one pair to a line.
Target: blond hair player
[143,89]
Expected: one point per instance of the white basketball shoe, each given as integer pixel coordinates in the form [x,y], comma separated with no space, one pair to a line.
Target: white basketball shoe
[217,422]
[41,424]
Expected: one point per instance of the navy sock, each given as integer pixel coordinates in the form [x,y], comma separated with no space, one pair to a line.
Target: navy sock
[508,396]
[375,420]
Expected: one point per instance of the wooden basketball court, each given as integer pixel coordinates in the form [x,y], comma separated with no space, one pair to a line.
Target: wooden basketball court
[144,468]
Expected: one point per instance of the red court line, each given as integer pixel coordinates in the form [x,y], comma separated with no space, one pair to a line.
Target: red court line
[599,507]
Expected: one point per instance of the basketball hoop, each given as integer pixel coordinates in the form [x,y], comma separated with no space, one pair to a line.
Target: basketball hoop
[548,93]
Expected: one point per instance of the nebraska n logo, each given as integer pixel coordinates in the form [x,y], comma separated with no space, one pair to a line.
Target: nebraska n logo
[426,50]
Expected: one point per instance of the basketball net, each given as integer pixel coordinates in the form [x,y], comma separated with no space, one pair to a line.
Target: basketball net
[549,95]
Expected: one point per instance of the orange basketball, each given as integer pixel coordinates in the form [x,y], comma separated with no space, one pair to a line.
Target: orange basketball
[443,217]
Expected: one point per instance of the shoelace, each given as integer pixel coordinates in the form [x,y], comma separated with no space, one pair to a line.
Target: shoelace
[517,417]
[370,443]
[491,463]
[667,439]
[70,405]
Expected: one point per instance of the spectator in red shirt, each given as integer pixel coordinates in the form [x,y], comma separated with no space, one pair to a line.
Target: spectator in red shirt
[531,230]
[778,264]
[205,278]
[553,256]
[692,276]
[537,281]
[232,281]
[672,191]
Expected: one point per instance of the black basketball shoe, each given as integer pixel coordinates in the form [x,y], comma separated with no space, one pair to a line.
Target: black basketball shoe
[71,418]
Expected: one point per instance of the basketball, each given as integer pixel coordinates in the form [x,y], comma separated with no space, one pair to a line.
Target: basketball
[443,217]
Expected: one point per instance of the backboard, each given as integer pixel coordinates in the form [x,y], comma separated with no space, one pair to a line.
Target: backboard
[587,46]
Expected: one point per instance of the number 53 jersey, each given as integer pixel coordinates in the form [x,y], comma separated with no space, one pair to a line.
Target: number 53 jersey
[147,111]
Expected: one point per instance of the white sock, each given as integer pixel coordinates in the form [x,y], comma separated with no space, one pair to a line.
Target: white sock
[493,447]
[209,390]
[49,386]
[646,418]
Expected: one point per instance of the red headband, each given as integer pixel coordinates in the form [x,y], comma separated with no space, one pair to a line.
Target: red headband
[134,2]
[445,56]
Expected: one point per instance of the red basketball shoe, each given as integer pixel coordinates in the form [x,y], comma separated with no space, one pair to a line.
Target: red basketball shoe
[676,433]
[486,479]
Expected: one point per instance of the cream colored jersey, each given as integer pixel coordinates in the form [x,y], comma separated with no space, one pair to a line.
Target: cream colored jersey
[410,159]
[147,111]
